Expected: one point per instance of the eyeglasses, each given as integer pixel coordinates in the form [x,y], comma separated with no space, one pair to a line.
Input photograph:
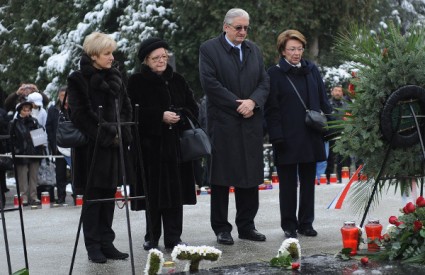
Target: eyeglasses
[159,57]
[293,50]
[239,28]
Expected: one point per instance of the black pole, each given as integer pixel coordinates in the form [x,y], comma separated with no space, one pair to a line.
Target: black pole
[378,178]
[420,139]
[90,175]
[121,152]
[21,216]
[6,241]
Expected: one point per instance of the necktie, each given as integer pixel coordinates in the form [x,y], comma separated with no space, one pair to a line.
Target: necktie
[238,52]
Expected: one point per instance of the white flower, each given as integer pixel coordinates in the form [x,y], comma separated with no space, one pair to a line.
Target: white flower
[194,250]
[154,261]
[292,246]
[194,254]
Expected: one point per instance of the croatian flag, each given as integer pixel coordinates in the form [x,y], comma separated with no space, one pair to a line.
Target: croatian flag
[339,199]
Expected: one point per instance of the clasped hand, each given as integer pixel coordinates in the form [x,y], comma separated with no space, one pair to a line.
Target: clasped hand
[170,117]
[246,107]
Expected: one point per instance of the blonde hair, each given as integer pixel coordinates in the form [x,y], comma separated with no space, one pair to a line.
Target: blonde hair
[97,42]
[287,35]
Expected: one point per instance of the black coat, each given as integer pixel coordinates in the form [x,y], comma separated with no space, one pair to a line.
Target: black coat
[293,142]
[20,129]
[237,142]
[88,89]
[170,183]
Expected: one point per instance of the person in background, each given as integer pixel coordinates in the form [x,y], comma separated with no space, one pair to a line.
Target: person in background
[38,110]
[234,80]
[339,104]
[27,168]
[297,148]
[4,148]
[96,174]
[61,163]
[166,101]
[21,95]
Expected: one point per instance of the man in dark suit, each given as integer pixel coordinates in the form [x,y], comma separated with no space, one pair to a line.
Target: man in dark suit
[236,84]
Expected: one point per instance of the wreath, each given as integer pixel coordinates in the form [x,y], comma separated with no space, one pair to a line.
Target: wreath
[389,73]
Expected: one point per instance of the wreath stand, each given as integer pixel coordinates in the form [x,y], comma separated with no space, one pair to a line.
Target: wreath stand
[21,217]
[401,134]
[126,198]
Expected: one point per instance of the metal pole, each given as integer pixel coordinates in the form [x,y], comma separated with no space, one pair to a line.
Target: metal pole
[121,152]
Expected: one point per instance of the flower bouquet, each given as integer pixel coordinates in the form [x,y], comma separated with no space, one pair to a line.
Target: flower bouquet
[288,255]
[154,262]
[195,254]
[405,236]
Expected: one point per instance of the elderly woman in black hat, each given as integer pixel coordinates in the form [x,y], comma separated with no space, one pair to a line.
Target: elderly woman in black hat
[165,100]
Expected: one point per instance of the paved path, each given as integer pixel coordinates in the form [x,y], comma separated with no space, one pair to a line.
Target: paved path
[50,234]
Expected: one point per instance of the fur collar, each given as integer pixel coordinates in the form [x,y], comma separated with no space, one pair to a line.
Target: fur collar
[151,76]
[107,80]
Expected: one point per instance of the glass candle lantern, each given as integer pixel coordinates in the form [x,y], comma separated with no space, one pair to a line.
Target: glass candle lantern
[350,236]
[373,232]
[169,267]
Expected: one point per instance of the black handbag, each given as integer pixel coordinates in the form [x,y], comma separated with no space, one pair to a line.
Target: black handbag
[313,119]
[194,143]
[67,135]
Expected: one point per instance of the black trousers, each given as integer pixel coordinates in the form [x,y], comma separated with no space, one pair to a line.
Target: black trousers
[171,218]
[61,180]
[288,177]
[246,208]
[97,219]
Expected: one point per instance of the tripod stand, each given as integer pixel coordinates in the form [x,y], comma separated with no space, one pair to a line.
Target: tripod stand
[21,217]
[414,94]
[126,198]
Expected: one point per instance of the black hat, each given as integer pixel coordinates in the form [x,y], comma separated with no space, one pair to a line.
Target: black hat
[149,45]
[22,104]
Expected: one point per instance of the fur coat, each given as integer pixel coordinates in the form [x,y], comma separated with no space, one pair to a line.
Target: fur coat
[88,89]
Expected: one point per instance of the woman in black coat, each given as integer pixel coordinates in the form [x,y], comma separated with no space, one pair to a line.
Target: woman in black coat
[165,101]
[296,147]
[96,84]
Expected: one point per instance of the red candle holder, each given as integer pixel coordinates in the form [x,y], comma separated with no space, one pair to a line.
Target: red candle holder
[118,193]
[373,231]
[333,179]
[79,200]
[275,177]
[16,201]
[350,236]
[345,174]
[45,200]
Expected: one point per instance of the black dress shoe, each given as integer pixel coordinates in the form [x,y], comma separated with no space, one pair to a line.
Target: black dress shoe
[252,235]
[96,256]
[113,253]
[225,238]
[291,234]
[310,232]
[148,245]
[172,245]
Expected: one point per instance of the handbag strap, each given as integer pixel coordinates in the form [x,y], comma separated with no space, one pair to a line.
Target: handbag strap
[296,91]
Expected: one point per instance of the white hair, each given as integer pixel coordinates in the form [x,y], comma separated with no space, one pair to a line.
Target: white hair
[233,13]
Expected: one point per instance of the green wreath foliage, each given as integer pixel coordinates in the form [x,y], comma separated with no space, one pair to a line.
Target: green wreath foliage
[384,60]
